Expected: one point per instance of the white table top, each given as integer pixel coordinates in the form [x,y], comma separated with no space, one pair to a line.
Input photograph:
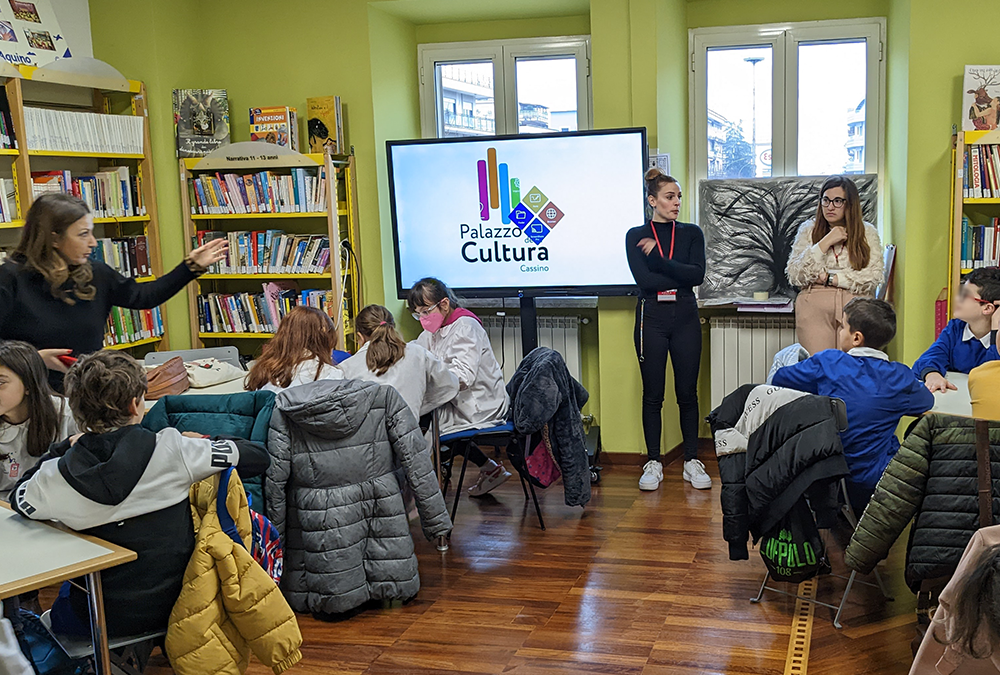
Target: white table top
[41,554]
[957,402]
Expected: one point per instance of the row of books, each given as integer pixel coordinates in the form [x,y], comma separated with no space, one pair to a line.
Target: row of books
[7,139]
[258,312]
[70,131]
[980,244]
[131,325]
[300,191]
[128,255]
[112,192]
[269,252]
[8,200]
[981,174]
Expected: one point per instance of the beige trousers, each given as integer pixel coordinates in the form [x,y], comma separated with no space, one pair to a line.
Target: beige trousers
[818,312]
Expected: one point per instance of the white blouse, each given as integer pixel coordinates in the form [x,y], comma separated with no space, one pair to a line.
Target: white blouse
[14,457]
[306,372]
[807,262]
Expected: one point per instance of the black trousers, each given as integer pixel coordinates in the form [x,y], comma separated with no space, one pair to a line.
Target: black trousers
[671,329]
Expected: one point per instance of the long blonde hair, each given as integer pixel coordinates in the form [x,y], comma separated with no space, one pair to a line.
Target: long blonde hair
[385,345]
[854,223]
[48,218]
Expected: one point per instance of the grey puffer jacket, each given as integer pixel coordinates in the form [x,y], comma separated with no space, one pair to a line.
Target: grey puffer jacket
[339,452]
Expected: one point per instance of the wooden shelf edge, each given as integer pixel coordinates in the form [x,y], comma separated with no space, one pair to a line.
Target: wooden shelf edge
[122,219]
[10,151]
[138,343]
[12,225]
[250,216]
[981,200]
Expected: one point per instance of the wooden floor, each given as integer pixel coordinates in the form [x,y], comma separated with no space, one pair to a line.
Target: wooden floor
[638,582]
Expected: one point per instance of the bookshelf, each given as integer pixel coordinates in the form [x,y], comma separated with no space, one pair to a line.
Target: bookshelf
[980,211]
[43,91]
[215,182]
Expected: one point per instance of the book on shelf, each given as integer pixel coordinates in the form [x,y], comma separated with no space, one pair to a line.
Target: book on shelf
[8,200]
[278,125]
[128,255]
[69,131]
[302,190]
[981,98]
[131,325]
[325,125]
[980,244]
[201,121]
[269,252]
[7,139]
[258,312]
[112,192]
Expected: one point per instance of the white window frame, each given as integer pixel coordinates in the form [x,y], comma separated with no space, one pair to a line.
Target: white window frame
[503,54]
[784,40]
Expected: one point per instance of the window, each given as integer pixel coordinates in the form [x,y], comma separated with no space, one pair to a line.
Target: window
[505,87]
[784,100]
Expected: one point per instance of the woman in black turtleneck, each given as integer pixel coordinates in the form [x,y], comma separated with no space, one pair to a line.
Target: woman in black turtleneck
[667,259]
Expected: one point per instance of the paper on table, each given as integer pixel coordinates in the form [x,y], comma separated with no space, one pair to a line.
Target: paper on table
[38,548]
[957,402]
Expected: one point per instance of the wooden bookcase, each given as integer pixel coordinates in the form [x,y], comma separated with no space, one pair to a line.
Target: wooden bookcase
[338,222]
[34,87]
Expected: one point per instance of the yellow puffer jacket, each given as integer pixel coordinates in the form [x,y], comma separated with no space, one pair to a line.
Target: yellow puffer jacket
[228,605]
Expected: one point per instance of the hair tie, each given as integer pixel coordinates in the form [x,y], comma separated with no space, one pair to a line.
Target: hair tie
[383,323]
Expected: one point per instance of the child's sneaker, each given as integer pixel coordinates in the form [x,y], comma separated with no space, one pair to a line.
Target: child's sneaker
[652,475]
[489,479]
[694,473]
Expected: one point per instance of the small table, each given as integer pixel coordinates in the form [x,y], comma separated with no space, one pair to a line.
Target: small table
[48,554]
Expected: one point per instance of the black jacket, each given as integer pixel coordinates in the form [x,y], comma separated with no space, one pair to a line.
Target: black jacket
[932,480]
[543,392]
[774,445]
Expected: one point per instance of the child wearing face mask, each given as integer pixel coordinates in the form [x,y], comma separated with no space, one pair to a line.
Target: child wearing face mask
[456,336]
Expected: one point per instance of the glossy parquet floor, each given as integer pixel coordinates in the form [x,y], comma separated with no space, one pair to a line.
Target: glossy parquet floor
[636,583]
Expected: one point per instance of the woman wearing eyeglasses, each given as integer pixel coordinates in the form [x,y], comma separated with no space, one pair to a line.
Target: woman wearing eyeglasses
[836,256]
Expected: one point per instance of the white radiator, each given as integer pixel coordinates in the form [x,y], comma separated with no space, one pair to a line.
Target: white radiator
[743,349]
[561,333]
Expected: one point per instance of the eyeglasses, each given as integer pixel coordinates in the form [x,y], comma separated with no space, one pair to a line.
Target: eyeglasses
[966,294]
[836,201]
[421,313]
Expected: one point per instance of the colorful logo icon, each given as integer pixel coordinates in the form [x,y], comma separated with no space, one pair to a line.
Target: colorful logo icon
[536,231]
[551,215]
[499,191]
[521,216]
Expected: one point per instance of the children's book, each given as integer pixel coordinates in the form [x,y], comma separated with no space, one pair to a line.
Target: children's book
[277,125]
[201,121]
[325,125]
[981,98]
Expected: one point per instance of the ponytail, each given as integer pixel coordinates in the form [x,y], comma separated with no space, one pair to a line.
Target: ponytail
[385,345]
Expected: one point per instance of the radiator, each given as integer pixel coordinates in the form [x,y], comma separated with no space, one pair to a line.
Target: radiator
[561,333]
[743,349]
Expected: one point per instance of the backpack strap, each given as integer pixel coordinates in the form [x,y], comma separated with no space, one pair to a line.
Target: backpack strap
[984,470]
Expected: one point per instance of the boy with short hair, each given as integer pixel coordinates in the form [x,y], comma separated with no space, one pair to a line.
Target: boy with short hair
[877,391]
[129,486]
[969,340]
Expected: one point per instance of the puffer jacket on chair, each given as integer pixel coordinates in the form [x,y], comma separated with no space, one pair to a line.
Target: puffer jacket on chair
[228,606]
[340,450]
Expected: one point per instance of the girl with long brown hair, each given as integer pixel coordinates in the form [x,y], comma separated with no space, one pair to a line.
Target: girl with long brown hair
[300,352]
[836,257]
[55,298]
[422,379]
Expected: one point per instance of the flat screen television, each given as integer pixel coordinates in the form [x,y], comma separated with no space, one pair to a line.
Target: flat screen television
[534,215]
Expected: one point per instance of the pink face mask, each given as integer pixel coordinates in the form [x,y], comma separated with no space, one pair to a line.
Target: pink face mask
[432,322]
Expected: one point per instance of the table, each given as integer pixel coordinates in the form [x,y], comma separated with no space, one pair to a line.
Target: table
[231,387]
[49,554]
[957,402]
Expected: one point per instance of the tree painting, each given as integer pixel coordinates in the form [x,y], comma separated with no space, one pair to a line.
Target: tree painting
[750,226]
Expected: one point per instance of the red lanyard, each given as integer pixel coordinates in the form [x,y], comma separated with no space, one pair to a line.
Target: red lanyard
[673,232]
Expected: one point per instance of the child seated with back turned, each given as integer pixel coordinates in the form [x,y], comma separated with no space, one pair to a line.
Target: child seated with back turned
[129,486]
[877,391]
[969,340]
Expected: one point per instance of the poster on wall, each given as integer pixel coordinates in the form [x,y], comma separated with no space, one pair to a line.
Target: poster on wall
[30,33]
[750,226]
[981,100]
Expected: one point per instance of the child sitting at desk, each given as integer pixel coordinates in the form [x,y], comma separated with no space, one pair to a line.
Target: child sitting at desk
[877,391]
[129,486]
[969,340]
[300,352]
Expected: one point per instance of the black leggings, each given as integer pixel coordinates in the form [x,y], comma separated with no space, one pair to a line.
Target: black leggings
[673,328]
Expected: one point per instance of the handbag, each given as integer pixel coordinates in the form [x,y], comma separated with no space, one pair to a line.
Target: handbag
[167,379]
[542,466]
[211,371]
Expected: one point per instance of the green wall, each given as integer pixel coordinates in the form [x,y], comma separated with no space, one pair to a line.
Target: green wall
[705,13]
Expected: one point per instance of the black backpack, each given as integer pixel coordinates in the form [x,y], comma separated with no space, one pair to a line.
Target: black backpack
[793,551]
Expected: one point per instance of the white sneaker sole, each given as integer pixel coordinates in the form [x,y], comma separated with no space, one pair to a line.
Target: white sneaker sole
[492,485]
[647,487]
[700,485]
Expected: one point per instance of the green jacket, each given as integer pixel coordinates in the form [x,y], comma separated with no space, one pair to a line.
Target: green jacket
[932,480]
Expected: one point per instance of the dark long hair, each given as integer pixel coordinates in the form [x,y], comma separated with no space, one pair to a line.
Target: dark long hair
[385,345]
[974,618]
[304,333]
[48,218]
[23,360]
[854,223]
[430,291]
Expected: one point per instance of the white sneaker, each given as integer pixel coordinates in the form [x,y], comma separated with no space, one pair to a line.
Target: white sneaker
[489,480]
[652,475]
[694,473]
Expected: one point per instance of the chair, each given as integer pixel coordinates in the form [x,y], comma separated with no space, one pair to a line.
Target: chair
[226,354]
[129,655]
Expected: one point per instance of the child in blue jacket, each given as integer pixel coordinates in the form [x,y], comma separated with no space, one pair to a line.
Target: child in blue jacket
[969,340]
[877,391]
